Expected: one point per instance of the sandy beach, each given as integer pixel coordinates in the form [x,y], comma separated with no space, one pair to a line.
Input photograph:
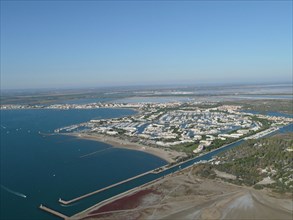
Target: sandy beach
[184,195]
[166,154]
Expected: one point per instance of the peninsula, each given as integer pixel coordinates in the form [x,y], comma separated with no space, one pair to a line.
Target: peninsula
[177,131]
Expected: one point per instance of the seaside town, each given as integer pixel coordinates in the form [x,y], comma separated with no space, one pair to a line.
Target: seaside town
[146,110]
[185,135]
[72,106]
[167,125]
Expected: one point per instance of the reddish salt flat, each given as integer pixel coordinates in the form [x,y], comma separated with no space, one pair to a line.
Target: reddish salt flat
[127,202]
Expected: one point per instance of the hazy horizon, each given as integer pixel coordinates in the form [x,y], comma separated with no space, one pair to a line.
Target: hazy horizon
[74,44]
[145,87]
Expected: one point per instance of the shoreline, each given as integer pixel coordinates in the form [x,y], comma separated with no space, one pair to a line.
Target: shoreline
[164,154]
[199,197]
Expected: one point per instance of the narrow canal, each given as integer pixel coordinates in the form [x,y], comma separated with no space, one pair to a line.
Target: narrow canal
[99,197]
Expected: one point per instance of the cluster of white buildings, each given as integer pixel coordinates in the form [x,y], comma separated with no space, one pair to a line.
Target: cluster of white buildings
[170,124]
[94,105]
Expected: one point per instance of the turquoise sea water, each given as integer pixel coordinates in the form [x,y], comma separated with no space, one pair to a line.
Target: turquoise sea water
[39,169]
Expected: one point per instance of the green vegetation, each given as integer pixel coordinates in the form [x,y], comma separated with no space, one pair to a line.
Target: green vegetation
[219,143]
[189,147]
[265,123]
[264,106]
[119,130]
[186,148]
[255,160]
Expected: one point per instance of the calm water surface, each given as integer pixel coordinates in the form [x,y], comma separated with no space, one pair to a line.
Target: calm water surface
[39,169]
[45,168]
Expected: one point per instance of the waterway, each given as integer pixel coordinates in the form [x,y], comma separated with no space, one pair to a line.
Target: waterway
[265,97]
[38,169]
[154,99]
[277,114]
[152,176]
[85,101]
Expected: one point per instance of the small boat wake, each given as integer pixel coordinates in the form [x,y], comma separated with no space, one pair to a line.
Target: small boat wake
[3,127]
[13,192]
[95,152]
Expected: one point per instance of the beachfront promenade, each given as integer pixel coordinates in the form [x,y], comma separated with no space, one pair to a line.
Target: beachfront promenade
[101,190]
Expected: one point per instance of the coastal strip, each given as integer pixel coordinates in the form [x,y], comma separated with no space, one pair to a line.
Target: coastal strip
[118,196]
[64,202]
[135,177]
[165,154]
[53,212]
[140,187]
[126,193]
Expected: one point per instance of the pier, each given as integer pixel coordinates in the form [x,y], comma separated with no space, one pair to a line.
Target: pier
[185,164]
[53,212]
[64,202]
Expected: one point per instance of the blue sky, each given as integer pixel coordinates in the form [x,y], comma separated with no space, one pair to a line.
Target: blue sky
[47,44]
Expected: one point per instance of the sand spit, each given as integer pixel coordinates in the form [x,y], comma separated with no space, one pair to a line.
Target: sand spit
[186,196]
[165,154]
